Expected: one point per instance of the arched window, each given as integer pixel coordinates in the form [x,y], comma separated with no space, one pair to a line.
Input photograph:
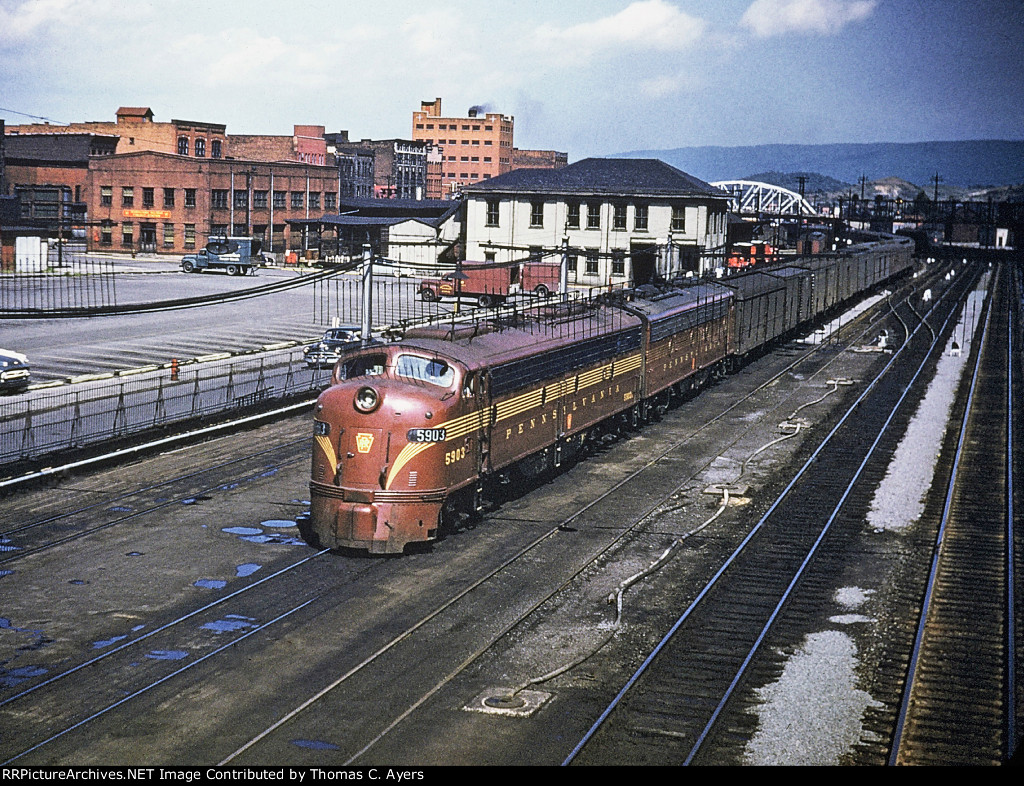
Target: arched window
[182,145]
[200,148]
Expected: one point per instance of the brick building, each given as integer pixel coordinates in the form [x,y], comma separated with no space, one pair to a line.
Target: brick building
[307,145]
[49,172]
[166,203]
[137,131]
[472,148]
[399,166]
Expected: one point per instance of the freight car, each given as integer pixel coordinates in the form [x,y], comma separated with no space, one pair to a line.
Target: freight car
[411,433]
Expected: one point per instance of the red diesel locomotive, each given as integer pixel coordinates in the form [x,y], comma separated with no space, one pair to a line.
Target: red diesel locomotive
[411,433]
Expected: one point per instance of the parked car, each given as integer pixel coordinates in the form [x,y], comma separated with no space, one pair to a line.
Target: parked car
[14,371]
[325,352]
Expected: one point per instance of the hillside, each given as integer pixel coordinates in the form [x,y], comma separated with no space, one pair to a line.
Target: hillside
[958,164]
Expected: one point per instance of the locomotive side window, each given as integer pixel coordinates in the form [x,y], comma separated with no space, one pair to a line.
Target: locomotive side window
[431,370]
[363,366]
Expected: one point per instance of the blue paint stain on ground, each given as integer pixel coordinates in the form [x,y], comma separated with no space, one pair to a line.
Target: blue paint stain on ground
[230,623]
[242,530]
[134,554]
[247,569]
[76,582]
[98,645]
[120,509]
[211,583]
[11,677]
[167,655]
[317,745]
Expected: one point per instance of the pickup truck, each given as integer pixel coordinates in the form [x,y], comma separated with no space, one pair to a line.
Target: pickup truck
[235,255]
[490,283]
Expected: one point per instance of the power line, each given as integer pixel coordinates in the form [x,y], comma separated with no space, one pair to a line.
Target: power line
[34,117]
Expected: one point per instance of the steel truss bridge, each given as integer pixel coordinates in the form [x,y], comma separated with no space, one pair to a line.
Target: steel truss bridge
[753,198]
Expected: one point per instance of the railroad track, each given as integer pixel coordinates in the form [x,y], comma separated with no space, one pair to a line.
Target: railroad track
[960,706]
[321,590]
[688,701]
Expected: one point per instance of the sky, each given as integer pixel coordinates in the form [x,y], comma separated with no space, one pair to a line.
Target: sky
[590,77]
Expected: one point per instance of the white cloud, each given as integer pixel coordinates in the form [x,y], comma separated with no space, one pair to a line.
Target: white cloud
[767,18]
[19,20]
[648,24]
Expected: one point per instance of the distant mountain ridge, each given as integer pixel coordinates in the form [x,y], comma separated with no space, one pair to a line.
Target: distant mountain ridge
[964,164]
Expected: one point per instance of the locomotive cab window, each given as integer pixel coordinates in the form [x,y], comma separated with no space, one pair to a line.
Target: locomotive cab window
[432,370]
[363,366]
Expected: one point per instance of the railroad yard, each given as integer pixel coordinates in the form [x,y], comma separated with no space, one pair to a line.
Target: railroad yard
[751,578]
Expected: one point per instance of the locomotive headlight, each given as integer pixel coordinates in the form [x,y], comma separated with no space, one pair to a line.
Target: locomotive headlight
[367,399]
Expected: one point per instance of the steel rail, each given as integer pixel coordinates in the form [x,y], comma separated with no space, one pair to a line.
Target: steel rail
[735,554]
[937,550]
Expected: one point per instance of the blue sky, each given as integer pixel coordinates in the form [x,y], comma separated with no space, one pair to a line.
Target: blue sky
[590,78]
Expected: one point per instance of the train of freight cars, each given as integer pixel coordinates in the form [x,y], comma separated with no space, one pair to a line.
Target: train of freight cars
[413,434]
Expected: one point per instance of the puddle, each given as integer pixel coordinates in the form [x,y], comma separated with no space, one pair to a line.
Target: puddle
[11,677]
[167,655]
[248,569]
[242,530]
[284,540]
[98,645]
[211,583]
[6,573]
[231,623]
[120,509]
[277,524]
[78,582]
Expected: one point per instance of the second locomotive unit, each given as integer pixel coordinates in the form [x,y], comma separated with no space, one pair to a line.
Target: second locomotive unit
[409,433]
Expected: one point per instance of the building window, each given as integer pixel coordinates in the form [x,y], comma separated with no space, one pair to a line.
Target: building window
[592,262]
[107,234]
[536,214]
[182,145]
[190,235]
[314,200]
[241,199]
[200,148]
[572,219]
[147,197]
[280,198]
[619,217]
[330,201]
[593,216]
[259,200]
[168,234]
[218,230]
[240,230]
[127,196]
[219,198]
[298,199]
[128,235]
[570,263]
[641,218]
[492,212]
[618,263]
[106,196]
[168,197]
[215,148]
[679,218]
[190,197]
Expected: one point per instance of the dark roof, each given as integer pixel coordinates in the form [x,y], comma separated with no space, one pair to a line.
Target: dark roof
[404,208]
[625,176]
[56,147]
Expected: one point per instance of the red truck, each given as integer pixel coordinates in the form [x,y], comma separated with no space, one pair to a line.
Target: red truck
[490,283]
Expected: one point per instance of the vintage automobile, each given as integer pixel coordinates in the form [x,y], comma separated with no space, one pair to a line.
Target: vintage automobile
[325,352]
[14,371]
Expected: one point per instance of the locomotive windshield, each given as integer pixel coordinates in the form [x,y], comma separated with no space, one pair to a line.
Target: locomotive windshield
[363,366]
[431,370]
